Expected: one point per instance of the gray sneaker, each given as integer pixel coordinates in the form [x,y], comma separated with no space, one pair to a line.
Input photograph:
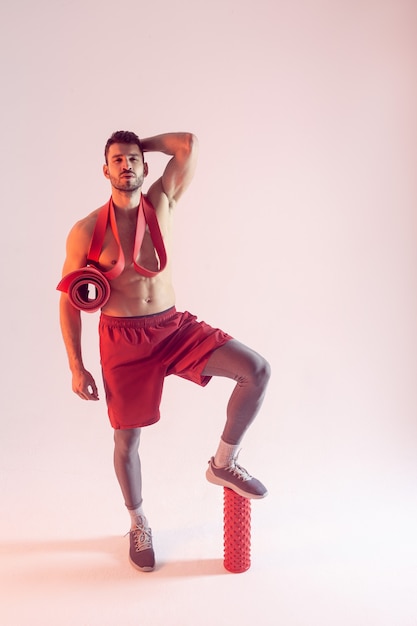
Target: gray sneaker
[141,552]
[237,478]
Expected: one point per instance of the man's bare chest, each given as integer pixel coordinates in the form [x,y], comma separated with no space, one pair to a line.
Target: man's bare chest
[145,255]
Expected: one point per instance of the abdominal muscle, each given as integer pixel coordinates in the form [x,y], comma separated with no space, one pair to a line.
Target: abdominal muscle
[133,294]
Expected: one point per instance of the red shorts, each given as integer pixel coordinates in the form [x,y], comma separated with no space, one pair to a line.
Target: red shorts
[138,352]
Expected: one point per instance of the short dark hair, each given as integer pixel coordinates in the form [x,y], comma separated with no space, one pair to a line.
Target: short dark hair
[122,136]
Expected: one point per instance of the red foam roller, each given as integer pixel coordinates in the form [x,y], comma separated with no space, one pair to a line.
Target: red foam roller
[237,531]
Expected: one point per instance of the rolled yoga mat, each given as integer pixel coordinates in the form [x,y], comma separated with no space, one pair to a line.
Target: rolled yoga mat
[88,290]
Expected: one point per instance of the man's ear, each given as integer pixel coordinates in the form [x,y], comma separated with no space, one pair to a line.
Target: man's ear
[106,170]
[145,169]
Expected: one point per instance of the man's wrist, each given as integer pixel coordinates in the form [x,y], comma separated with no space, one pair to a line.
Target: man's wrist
[77,367]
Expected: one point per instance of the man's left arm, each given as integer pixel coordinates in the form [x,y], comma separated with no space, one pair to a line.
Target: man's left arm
[183,148]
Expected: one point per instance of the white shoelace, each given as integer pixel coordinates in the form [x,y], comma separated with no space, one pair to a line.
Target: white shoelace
[239,471]
[142,537]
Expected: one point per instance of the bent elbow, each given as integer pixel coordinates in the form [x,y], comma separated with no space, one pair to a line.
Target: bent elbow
[192,142]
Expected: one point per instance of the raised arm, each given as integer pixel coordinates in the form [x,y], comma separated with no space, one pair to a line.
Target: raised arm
[83,383]
[183,147]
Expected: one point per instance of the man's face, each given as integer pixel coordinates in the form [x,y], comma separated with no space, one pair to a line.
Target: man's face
[125,167]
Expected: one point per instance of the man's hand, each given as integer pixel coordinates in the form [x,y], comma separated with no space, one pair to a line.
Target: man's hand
[84,386]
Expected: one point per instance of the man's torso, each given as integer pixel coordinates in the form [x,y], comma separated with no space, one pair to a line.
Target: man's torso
[133,294]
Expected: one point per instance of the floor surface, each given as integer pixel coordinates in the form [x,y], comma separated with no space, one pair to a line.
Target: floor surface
[328,548]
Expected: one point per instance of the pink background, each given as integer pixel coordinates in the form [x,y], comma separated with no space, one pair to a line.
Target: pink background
[297,236]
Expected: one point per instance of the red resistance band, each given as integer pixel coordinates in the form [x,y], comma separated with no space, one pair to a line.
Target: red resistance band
[146,216]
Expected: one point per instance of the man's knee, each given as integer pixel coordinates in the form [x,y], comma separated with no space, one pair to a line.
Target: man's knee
[261,371]
[127,441]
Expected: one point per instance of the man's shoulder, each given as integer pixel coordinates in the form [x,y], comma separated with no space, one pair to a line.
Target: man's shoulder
[156,196]
[85,226]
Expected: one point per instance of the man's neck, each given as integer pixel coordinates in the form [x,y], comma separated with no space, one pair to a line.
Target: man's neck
[126,200]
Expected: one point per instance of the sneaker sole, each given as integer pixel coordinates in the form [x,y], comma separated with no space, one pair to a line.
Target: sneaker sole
[214,480]
[146,568]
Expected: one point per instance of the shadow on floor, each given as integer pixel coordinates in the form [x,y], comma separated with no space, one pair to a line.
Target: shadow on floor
[76,560]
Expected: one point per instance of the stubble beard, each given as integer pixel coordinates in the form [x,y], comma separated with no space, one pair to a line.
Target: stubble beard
[128,185]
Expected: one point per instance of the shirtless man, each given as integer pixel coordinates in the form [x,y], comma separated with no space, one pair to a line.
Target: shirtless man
[143,338]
